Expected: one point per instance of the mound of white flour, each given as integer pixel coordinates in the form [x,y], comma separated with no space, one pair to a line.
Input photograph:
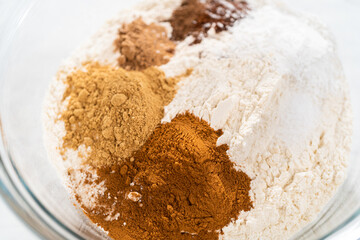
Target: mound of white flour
[274,85]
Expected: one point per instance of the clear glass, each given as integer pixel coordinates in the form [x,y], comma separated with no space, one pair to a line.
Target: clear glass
[37,35]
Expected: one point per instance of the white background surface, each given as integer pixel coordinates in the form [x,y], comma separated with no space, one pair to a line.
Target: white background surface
[11,227]
[336,13]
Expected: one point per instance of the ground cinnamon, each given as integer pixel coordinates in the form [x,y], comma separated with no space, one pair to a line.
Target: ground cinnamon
[196,18]
[179,185]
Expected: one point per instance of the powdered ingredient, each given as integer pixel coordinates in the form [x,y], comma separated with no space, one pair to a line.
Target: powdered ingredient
[179,185]
[196,18]
[113,111]
[142,45]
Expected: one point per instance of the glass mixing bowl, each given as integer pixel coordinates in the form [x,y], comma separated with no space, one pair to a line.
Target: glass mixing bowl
[37,35]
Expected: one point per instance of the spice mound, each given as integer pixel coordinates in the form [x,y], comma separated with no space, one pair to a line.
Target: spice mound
[113,111]
[179,185]
[142,45]
[196,17]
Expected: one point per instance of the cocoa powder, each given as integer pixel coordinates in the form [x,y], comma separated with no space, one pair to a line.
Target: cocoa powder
[196,18]
[179,185]
[143,45]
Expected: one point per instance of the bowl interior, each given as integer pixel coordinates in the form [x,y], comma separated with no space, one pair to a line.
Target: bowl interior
[43,33]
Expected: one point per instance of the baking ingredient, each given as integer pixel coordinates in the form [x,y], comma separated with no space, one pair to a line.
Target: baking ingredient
[196,17]
[143,45]
[179,185]
[113,111]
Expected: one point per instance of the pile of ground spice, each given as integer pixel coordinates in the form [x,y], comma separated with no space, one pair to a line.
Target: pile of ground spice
[196,18]
[113,111]
[179,185]
[142,45]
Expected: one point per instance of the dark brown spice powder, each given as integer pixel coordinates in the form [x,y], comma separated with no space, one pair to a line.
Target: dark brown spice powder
[195,18]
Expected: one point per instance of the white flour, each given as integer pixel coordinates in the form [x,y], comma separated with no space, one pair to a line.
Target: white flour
[273,84]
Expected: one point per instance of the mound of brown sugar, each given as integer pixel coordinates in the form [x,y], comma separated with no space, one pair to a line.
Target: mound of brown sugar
[179,185]
[142,45]
[196,18]
[113,111]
